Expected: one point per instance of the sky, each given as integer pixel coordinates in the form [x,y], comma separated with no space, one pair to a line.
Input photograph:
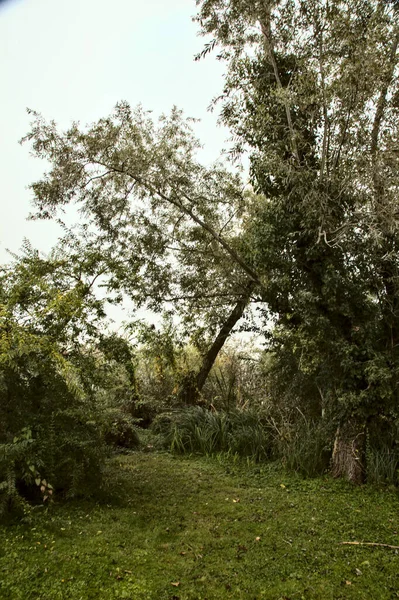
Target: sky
[73,61]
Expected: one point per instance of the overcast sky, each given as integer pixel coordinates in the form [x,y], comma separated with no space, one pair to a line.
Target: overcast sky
[73,61]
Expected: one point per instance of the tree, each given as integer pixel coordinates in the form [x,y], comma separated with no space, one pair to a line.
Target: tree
[312,92]
[170,227]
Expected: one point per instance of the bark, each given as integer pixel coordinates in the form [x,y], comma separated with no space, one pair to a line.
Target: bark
[193,384]
[348,451]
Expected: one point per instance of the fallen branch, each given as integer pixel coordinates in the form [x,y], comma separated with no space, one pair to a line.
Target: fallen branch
[370,544]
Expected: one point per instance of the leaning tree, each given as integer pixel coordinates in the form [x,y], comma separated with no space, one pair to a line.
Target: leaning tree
[168,228]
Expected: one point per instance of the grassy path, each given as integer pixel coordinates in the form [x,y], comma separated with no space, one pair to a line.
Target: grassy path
[195,529]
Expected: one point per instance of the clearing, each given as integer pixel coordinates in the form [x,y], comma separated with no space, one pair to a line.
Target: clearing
[196,528]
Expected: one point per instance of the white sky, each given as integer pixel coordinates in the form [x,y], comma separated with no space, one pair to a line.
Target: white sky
[73,61]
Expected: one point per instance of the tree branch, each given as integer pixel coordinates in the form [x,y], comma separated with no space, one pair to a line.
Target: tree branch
[265,25]
[379,113]
[189,212]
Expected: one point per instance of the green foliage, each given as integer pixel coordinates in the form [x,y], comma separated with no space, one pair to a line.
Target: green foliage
[311,91]
[304,446]
[237,379]
[57,390]
[162,361]
[161,236]
[382,466]
[381,456]
[121,431]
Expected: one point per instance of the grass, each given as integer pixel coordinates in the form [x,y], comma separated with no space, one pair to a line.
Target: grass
[196,528]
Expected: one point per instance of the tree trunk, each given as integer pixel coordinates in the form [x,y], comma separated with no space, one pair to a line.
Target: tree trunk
[192,384]
[348,451]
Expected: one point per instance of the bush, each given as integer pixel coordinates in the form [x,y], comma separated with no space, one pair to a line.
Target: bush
[50,418]
[121,431]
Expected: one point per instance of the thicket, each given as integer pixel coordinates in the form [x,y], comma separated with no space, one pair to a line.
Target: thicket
[66,388]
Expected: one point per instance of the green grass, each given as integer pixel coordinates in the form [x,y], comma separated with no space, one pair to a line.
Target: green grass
[215,529]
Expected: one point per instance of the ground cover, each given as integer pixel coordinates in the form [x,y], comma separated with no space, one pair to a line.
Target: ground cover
[195,528]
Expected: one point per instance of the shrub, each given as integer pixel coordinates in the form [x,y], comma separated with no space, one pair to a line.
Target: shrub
[121,431]
[50,421]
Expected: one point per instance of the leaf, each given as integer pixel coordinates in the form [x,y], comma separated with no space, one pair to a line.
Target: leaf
[37,481]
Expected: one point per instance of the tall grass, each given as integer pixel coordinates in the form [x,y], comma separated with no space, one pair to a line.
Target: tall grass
[198,430]
[382,465]
[308,450]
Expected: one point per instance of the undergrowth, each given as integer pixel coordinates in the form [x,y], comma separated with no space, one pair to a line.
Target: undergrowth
[303,445]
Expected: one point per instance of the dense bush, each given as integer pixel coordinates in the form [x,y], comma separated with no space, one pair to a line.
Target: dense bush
[121,431]
[50,430]
[54,386]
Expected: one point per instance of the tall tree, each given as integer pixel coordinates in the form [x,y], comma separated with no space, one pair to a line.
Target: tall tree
[312,92]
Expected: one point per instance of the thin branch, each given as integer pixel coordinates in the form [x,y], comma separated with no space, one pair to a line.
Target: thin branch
[324,156]
[100,176]
[90,285]
[189,212]
[197,297]
[370,544]
[228,221]
[345,130]
[380,110]
[265,25]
